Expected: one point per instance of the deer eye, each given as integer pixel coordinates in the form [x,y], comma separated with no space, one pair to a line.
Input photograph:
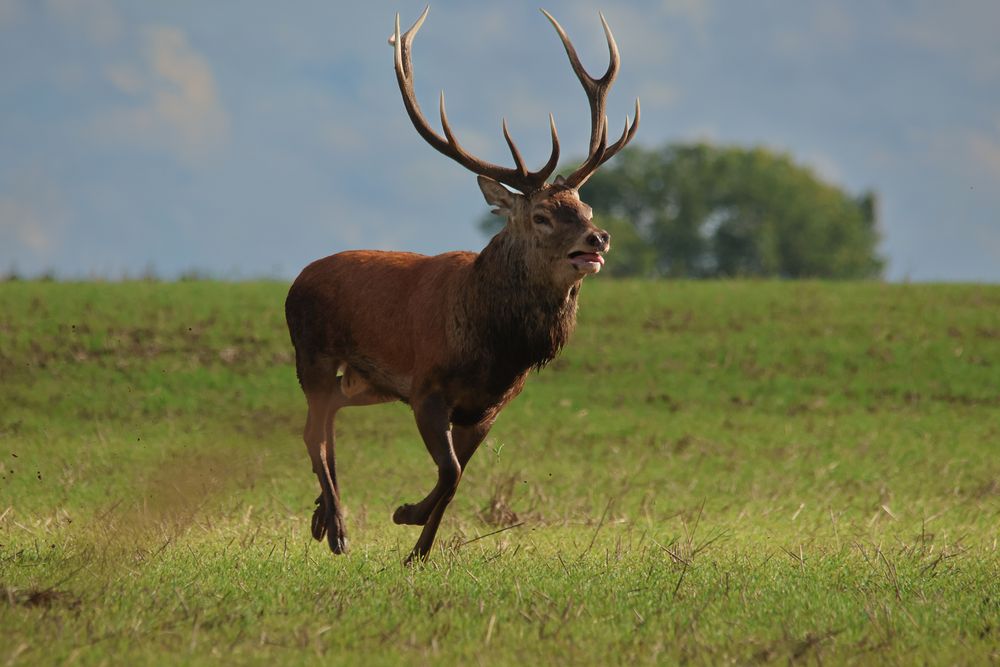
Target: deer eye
[541,220]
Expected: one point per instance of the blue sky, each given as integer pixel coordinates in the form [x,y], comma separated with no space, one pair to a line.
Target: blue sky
[244,139]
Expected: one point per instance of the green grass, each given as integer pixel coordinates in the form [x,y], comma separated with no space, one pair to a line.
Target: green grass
[712,472]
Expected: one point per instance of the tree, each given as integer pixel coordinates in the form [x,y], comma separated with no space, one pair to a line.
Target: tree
[713,211]
[731,211]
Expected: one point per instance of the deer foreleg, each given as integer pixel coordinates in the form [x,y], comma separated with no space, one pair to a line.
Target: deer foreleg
[433,422]
[465,440]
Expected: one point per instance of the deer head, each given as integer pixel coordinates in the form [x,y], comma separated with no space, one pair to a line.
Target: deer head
[549,229]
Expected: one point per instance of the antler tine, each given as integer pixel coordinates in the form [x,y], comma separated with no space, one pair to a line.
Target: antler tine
[550,166]
[587,169]
[596,89]
[402,46]
[519,178]
[407,38]
[597,93]
[626,137]
[615,57]
[513,149]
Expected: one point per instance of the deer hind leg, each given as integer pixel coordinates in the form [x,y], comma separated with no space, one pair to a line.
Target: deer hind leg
[328,518]
[320,439]
[465,440]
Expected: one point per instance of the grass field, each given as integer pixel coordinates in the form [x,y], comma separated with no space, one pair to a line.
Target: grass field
[711,473]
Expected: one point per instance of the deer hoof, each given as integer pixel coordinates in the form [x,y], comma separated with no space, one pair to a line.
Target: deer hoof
[416,556]
[319,520]
[338,545]
[336,534]
[406,515]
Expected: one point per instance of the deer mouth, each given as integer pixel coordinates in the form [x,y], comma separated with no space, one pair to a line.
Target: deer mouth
[586,262]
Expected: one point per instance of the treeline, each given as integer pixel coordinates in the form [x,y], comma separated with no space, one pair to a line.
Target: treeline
[704,211]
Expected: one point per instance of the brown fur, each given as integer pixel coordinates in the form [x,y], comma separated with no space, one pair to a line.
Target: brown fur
[453,335]
[457,332]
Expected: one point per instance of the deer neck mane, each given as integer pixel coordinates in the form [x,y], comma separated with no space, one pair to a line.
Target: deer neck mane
[515,313]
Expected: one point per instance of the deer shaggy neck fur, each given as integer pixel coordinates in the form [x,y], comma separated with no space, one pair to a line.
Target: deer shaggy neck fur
[517,317]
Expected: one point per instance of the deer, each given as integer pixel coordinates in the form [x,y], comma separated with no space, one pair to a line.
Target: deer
[454,335]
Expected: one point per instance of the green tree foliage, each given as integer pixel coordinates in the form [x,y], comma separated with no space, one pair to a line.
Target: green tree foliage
[700,210]
[729,211]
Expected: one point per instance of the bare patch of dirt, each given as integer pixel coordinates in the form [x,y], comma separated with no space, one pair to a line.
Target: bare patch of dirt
[183,488]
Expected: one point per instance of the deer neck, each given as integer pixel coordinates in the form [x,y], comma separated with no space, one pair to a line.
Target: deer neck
[513,310]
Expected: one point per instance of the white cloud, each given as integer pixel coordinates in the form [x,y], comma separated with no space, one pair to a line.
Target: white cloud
[32,219]
[179,110]
[22,225]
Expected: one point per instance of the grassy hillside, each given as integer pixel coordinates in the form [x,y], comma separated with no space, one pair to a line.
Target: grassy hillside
[712,472]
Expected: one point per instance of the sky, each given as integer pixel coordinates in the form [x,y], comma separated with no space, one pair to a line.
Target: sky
[244,138]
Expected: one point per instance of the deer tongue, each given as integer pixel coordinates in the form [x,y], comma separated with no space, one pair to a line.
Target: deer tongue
[581,259]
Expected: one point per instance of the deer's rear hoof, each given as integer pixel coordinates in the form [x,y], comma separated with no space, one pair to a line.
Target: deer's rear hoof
[319,520]
[338,545]
[336,533]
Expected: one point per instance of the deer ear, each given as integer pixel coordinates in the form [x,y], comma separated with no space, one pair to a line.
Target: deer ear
[497,196]
[559,180]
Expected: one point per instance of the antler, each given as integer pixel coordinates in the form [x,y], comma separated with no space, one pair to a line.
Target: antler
[518,178]
[597,93]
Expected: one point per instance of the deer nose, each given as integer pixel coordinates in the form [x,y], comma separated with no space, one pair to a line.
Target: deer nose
[600,240]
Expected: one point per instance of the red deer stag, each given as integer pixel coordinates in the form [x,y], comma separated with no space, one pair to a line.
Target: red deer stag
[454,335]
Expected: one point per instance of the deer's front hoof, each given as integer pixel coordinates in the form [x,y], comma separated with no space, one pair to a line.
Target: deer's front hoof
[415,557]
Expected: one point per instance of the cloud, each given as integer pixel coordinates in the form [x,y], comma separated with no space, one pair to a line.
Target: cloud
[22,225]
[178,110]
[32,219]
